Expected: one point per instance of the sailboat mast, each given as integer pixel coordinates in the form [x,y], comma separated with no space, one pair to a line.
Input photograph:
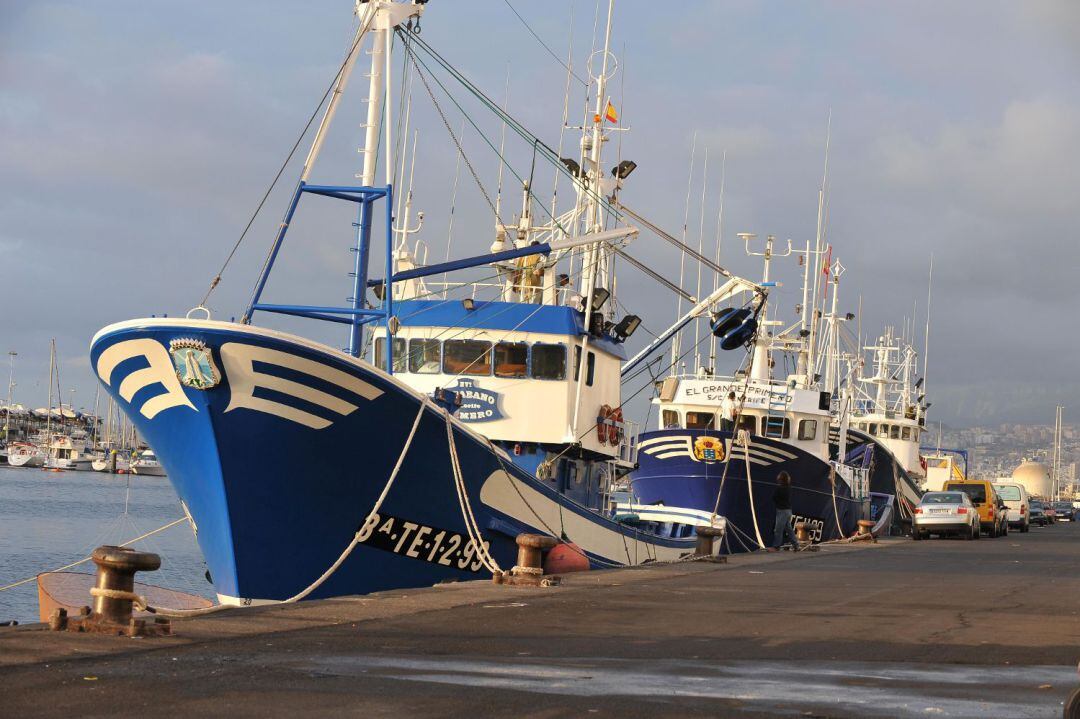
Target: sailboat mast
[48,418]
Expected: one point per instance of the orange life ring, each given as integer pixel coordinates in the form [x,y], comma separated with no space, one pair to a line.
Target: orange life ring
[602,423]
[615,430]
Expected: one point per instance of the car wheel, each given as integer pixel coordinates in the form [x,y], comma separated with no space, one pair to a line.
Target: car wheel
[971,533]
[993,531]
[1005,529]
[1025,528]
[916,534]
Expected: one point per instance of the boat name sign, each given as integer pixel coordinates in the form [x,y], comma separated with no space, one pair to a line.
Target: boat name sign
[477,404]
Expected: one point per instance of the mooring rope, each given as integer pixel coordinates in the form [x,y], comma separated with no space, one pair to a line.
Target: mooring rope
[362,533]
[84,560]
[471,527]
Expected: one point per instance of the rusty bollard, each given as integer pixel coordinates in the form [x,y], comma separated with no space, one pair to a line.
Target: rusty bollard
[707,535]
[114,596]
[802,533]
[865,527]
[529,570]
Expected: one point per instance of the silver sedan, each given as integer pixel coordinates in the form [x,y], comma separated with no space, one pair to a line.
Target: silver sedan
[944,513]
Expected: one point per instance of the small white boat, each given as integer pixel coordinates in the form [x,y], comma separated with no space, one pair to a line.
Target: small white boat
[65,453]
[22,454]
[112,461]
[148,465]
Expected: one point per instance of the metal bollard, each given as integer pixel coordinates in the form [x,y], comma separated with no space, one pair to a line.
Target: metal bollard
[114,596]
[529,569]
[706,536]
[802,532]
[865,527]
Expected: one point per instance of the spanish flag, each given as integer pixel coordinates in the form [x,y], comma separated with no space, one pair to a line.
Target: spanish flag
[610,113]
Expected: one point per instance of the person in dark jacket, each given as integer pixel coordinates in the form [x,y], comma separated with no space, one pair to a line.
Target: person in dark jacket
[782,529]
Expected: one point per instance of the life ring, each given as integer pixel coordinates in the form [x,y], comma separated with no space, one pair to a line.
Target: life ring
[602,423]
[615,430]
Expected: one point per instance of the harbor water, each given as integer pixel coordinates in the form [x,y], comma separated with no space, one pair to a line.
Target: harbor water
[50,519]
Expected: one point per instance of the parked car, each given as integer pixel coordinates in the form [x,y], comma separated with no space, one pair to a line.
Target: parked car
[1064,511]
[1036,513]
[1017,502]
[992,516]
[1050,513]
[943,513]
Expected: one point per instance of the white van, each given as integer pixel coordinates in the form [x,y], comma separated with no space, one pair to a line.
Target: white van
[1016,499]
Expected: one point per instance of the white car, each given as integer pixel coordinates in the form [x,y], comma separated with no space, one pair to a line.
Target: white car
[1016,499]
[944,513]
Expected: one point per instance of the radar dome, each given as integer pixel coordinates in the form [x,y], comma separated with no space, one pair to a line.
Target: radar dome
[1035,477]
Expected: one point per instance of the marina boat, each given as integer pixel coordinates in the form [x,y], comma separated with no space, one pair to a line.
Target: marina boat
[65,452]
[466,422]
[113,461]
[24,454]
[147,464]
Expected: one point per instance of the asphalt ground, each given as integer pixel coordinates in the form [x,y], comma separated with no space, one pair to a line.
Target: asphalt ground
[943,628]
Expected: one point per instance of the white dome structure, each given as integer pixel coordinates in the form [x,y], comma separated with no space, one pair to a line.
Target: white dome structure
[1035,476]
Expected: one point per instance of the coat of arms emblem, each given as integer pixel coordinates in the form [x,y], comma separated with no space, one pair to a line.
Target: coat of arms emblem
[194,364]
[708,449]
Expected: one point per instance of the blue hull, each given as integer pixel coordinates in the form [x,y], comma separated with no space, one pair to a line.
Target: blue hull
[671,473]
[281,461]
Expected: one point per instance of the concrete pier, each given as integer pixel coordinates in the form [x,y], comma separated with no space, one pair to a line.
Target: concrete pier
[896,629]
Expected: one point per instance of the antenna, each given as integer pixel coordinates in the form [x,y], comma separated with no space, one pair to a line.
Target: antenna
[818,250]
[502,146]
[719,242]
[677,343]
[700,248]
[926,336]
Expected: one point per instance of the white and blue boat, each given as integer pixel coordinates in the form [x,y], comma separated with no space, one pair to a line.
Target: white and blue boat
[425,452]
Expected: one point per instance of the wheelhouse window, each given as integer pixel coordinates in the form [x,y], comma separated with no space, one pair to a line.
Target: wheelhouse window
[590,369]
[700,420]
[549,361]
[511,359]
[807,429]
[748,422]
[577,363]
[883,431]
[671,419]
[873,429]
[399,353]
[894,431]
[425,356]
[467,357]
[906,434]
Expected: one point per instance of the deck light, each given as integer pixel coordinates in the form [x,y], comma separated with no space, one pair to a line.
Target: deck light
[599,296]
[623,169]
[626,327]
[468,304]
[572,166]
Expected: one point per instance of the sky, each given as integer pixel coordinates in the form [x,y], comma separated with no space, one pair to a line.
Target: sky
[136,139]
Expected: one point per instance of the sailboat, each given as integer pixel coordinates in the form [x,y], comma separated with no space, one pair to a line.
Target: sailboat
[418,457]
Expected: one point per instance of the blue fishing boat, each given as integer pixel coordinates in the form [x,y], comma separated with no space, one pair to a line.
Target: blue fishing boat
[451,423]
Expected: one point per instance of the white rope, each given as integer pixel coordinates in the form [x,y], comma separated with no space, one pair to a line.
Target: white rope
[138,600]
[836,512]
[744,440]
[471,527]
[344,554]
[84,560]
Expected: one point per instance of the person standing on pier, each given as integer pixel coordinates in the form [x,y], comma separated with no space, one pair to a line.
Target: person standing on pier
[782,529]
[727,413]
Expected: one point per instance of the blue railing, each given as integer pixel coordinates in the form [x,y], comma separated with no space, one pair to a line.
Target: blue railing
[356,315]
